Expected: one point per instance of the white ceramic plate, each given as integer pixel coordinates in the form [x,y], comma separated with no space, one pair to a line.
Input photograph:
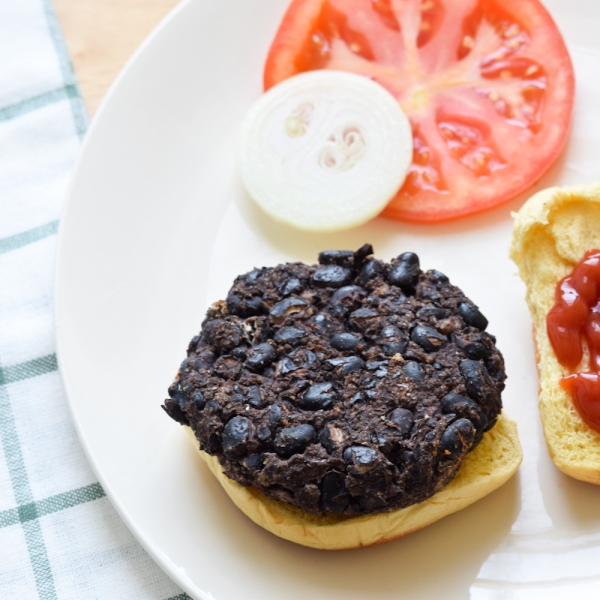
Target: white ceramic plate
[157,226]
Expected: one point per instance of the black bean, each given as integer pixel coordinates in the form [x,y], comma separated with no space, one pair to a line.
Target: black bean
[361,455]
[261,356]
[302,384]
[294,440]
[211,406]
[403,419]
[289,335]
[235,305]
[193,343]
[288,366]
[382,442]
[390,332]
[336,257]
[326,441]
[431,311]
[409,258]
[479,384]
[336,362]
[178,394]
[255,305]
[322,321]
[349,364]
[307,357]
[173,409]
[264,433]
[394,347]
[244,307]
[319,396]
[412,369]
[457,439]
[393,340]
[373,502]
[235,434]
[293,286]
[253,396]
[370,270]
[373,365]
[405,273]
[222,335]
[364,319]
[334,495]
[465,407]
[204,360]
[332,275]
[361,254]
[337,310]
[209,327]
[241,353]
[474,350]
[329,441]
[349,295]
[200,364]
[274,414]
[286,307]
[198,400]
[345,341]
[253,275]
[431,437]
[358,397]
[428,338]
[438,276]
[255,462]
[471,316]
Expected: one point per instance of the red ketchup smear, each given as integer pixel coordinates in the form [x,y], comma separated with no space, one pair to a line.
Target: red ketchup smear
[574,317]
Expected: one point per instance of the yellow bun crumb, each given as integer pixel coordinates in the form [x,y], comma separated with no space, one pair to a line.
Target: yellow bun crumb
[485,469]
[552,232]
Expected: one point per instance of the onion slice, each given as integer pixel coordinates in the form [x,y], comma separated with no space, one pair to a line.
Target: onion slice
[325,150]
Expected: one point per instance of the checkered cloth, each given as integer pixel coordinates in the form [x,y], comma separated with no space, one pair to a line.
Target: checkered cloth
[59,536]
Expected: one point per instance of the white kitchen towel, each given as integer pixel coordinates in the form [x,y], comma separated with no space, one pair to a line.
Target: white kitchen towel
[60,539]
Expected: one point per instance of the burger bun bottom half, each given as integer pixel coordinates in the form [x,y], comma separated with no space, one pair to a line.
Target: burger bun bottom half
[491,464]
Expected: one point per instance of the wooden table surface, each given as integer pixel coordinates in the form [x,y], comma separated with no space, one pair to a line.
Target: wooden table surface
[101,36]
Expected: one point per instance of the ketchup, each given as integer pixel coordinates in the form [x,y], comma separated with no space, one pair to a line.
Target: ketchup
[575,317]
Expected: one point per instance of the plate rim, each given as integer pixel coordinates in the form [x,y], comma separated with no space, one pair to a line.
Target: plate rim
[157,555]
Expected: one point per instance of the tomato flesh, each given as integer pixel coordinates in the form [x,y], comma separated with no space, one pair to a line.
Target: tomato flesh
[488,89]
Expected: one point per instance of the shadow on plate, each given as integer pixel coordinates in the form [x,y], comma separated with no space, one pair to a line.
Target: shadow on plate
[440,561]
[379,231]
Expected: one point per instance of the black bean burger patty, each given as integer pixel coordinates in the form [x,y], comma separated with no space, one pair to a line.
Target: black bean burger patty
[349,387]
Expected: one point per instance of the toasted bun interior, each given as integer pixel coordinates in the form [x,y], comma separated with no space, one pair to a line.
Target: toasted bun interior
[552,232]
[484,469]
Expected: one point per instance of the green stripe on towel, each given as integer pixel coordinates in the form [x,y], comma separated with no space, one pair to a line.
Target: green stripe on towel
[36,102]
[35,510]
[77,107]
[14,242]
[20,483]
[29,369]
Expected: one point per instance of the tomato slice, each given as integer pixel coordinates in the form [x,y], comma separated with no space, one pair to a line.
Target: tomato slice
[488,89]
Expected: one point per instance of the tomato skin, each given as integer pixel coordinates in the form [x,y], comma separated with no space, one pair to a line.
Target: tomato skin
[462,164]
